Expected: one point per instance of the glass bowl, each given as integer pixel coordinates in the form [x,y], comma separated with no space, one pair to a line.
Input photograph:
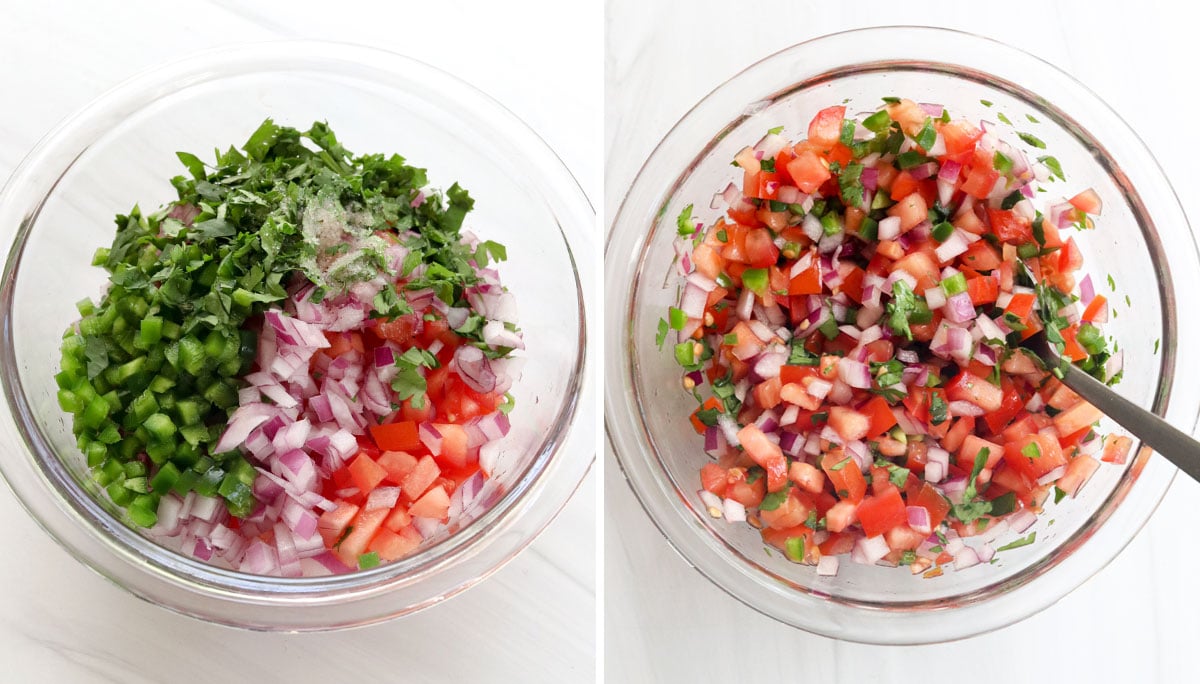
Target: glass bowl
[1142,240]
[120,150]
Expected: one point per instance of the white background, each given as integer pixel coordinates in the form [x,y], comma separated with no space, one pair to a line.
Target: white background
[1136,621]
[534,621]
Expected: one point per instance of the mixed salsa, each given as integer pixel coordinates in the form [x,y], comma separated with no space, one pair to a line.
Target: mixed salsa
[851,329]
[301,366]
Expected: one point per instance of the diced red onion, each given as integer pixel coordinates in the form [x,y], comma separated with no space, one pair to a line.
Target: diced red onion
[1021,520]
[1086,291]
[1114,364]
[868,316]
[887,229]
[712,502]
[769,363]
[934,472]
[767,422]
[954,245]
[473,367]
[802,264]
[1025,209]
[870,178]
[923,171]
[935,297]
[854,373]
[789,194]
[430,437]
[964,408]
[244,419]
[729,428]
[733,511]
[918,519]
[829,243]
[872,549]
[895,277]
[827,566]
[496,335]
[771,144]
[1052,476]
[966,558]
[694,300]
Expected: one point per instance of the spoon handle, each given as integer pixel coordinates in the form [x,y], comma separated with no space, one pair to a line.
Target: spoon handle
[1175,445]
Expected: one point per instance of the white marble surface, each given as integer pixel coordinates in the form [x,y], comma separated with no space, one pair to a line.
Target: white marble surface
[1133,622]
[535,619]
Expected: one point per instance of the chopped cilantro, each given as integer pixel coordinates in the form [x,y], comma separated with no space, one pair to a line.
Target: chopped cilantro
[1003,118]
[1052,164]
[902,307]
[839,465]
[409,382]
[937,409]
[684,222]
[1024,541]
[1004,504]
[774,500]
[910,159]
[662,333]
[1059,494]
[1033,140]
[986,103]
[1001,162]
[850,184]
[488,250]
[847,136]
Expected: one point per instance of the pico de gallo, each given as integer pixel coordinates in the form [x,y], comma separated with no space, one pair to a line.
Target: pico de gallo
[850,326]
[301,366]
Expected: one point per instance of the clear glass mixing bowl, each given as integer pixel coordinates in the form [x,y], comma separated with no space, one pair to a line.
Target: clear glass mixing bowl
[1142,240]
[58,207]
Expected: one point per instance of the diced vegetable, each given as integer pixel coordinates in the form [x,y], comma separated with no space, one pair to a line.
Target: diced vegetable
[304,358]
[863,298]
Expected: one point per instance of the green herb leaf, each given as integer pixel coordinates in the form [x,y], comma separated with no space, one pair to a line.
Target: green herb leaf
[850,184]
[938,409]
[1033,140]
[1052,164]
[774,500]
[684,222]
[1024,541]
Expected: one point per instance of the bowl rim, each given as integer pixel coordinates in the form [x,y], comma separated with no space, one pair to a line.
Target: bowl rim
[626,425]
[532,501]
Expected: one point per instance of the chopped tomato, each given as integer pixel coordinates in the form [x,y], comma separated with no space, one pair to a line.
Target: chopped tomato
[401,436]
[882,511]
[826,127]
